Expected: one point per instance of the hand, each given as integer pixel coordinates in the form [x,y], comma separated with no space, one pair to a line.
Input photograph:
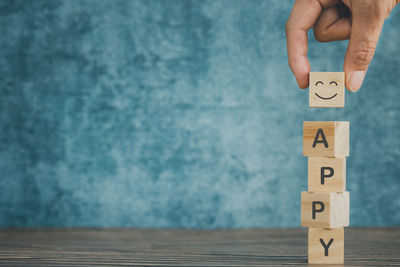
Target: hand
[360,21]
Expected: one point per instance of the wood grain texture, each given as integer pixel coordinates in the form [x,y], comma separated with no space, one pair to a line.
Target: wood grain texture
[334,214]
[336,181]
[326,90]
[335,133]
[147,247]
[325,246]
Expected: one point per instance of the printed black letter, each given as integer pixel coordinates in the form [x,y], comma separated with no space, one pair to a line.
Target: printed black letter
[323,140]
[314,210]
[323,175]
[326,247]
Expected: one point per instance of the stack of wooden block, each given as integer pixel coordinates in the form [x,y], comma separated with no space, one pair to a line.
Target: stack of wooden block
[325,207]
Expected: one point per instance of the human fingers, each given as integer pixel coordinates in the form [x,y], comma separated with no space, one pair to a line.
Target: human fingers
[368,17]
[333,24]
[301,19]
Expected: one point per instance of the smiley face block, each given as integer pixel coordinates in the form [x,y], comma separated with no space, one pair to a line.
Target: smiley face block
[325,209]
[326,90]
[326,138]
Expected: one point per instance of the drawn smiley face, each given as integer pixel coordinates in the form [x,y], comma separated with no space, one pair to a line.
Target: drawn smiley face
[326,89]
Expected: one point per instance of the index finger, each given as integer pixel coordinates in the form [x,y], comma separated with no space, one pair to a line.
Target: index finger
[303,16]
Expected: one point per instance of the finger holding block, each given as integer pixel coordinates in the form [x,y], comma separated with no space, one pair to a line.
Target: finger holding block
[326,174]
[326,90]
[324,209]
[326,138]
[326,246]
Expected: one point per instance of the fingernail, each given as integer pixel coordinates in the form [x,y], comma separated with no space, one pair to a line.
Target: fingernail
[356,80]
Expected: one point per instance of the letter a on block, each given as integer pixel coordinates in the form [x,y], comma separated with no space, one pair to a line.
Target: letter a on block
[326,246]
[326,138]
[320,138]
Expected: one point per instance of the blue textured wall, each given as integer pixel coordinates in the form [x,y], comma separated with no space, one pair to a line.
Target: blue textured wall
[177,114]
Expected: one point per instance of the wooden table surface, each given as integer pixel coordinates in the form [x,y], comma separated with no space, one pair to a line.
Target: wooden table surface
[149,247]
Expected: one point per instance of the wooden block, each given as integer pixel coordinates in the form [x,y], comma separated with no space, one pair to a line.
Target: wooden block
[326,246]
[324,209]
[326,90]
[326,138]
[326,174]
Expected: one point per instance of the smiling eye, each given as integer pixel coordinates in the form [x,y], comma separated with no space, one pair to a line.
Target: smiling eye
[318,83]
[333,82]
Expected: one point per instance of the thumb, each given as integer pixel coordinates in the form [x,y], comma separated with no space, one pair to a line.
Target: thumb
[366,27]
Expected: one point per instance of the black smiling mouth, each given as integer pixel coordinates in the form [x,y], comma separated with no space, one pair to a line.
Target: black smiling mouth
[326,98]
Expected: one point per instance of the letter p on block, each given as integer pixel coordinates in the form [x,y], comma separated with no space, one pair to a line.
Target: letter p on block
[325,209]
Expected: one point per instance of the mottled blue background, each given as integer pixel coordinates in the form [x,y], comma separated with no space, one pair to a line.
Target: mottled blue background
[178,114]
